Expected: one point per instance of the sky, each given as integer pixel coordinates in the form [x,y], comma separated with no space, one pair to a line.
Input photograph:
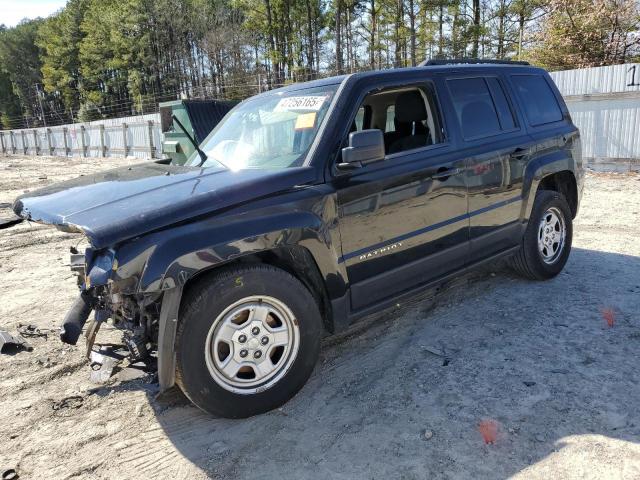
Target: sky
[12,11]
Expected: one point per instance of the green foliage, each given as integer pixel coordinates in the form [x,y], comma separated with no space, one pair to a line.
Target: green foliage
[588,33]
[107,58]
[89,111]
[9,103]
[20,60]
[59,38]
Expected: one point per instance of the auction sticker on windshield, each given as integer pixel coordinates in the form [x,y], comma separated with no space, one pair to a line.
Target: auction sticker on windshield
[310,102]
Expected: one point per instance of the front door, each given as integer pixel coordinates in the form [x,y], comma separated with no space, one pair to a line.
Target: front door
[403,221]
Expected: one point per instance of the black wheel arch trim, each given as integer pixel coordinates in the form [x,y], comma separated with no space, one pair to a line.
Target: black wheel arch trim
[544,166]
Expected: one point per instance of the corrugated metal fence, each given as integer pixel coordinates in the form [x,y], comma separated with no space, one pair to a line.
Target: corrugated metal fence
[605,105]
[138,136]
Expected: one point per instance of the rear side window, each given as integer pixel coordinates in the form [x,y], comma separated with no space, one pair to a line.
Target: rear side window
[474,106]
[536,96]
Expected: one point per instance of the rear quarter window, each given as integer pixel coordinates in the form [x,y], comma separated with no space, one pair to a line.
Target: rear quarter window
[537,98]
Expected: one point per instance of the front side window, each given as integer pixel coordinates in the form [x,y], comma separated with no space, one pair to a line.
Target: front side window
[408,116]
[268,131]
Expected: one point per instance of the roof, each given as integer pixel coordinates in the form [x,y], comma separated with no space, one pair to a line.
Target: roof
[471,61]
[458,67]
[396,71]
[320,82]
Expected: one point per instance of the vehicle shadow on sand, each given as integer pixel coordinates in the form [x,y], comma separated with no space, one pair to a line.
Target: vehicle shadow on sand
[536,358]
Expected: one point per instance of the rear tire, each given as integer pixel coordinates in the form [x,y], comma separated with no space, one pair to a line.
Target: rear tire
[546,243]
[247,341]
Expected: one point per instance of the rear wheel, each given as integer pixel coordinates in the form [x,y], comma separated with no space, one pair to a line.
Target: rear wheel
[547,240]
[247,341]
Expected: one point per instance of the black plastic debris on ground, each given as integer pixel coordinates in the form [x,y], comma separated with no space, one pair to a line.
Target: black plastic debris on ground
[10,474]
[32,331]
[10,344]
[72,402]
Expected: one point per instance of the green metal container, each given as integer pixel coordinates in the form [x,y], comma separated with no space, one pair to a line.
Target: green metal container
[199,117]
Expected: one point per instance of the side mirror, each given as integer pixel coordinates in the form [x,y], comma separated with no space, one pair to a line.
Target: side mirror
[364,147]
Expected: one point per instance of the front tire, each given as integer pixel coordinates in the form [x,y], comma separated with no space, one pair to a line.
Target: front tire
[546,243]
[247,341]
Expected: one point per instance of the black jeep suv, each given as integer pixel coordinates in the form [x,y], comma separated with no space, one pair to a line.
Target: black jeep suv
[310,206]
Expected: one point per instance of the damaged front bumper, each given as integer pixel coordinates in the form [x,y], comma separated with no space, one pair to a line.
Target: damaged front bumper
[111,284]
[111,299]
[90,270]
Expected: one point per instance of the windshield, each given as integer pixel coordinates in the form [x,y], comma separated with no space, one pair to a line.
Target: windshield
[270,131]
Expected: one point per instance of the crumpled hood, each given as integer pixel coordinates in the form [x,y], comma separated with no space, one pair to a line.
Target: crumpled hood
[126,202]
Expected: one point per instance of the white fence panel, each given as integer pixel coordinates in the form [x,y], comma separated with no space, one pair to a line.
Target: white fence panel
[609,129]
[598,80]
[605,105]
[138,136]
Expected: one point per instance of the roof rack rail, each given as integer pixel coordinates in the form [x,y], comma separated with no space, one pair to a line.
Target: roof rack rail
[435,61]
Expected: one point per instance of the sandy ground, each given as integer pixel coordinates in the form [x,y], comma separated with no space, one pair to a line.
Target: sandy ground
[536,360]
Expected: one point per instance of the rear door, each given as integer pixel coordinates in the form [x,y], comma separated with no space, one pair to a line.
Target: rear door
[496,147]
[403,221]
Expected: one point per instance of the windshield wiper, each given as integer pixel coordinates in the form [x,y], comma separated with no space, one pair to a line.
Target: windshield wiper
[203,156]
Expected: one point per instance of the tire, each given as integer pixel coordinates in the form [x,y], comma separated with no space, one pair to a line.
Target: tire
[530,261]
[215,315]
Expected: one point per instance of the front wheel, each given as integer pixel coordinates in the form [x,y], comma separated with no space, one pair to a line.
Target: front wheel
[247,340]
[547,240]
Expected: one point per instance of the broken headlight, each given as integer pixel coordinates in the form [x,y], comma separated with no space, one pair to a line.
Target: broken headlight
[100,268]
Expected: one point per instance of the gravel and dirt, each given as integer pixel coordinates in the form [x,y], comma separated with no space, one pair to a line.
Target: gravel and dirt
[548,372]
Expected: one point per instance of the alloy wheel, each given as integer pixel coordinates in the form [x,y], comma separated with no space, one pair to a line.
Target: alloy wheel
[551,235]
[252,344]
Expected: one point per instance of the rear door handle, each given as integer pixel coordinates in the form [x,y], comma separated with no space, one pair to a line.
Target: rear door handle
[443,174]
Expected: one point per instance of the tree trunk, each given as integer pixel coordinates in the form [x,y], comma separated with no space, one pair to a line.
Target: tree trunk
[412,26]
[309,41]
[441,30]
[272,46]
[476,28]
[521,22]
[339,65]
[398,40]
[454,36]
[372,36]
[289,42]
[501,15]
[347,36]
